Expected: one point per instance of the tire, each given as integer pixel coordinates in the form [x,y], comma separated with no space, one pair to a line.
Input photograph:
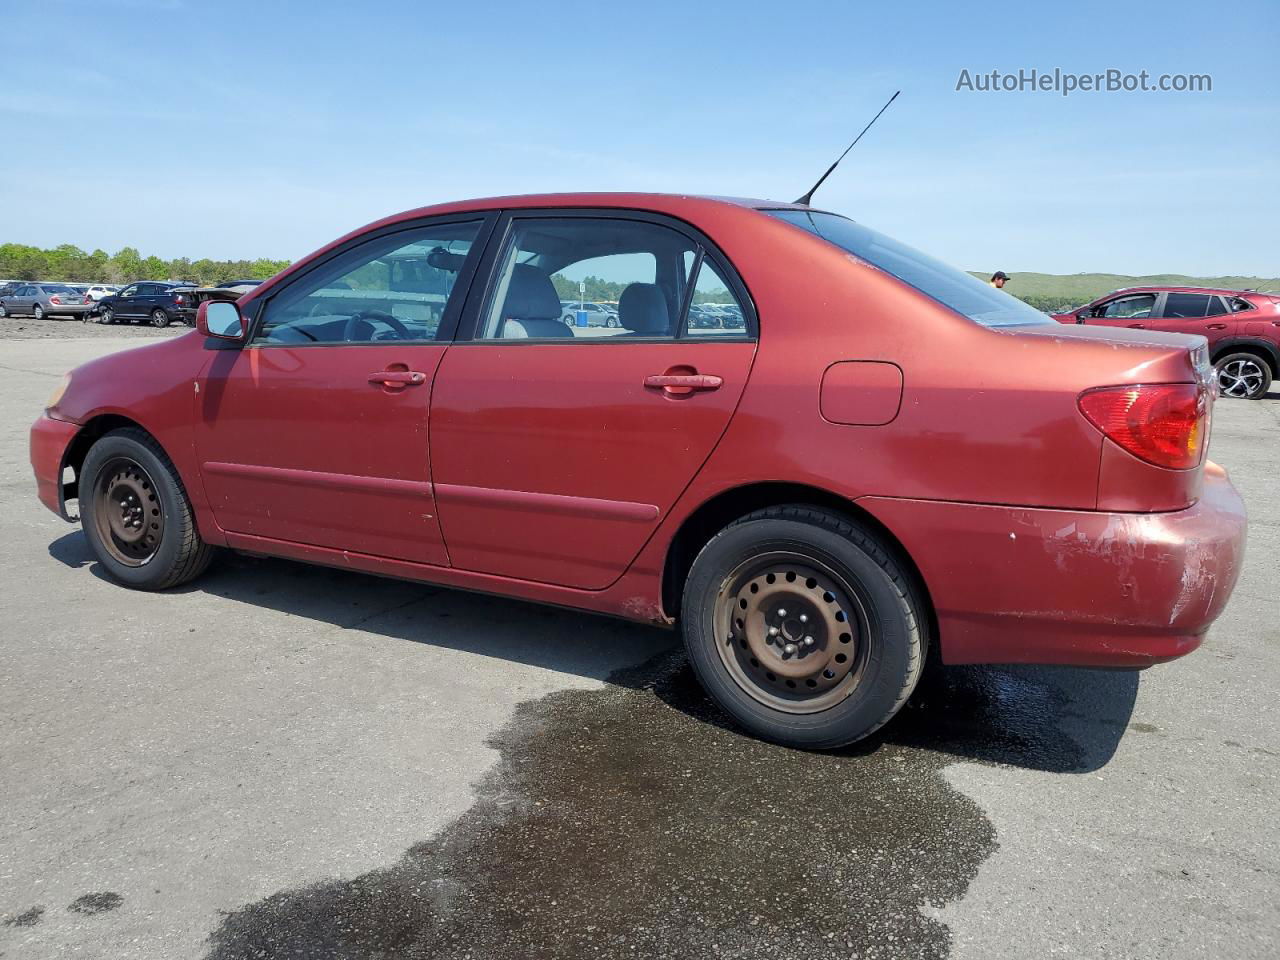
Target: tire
[3,311]
[159,318]
[106,315]
[129,463]
[38,312]
[1245,376]
[866,658]
[611,323]
[568,320]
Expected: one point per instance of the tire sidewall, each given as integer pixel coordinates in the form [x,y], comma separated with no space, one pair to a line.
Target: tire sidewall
[172,500]
[894,639]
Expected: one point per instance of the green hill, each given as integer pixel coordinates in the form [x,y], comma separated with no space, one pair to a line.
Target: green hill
[1057,292]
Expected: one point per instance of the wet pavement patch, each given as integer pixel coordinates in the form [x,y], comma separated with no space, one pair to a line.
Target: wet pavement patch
[27,918]
[96,902]
[634,821]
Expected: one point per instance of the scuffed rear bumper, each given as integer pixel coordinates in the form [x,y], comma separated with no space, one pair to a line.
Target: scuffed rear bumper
[1019,585]
[49,441]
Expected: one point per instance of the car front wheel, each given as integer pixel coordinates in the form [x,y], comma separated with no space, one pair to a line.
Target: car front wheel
[803,627]
[106,315]
[136,515]
[1243,375]
[3,312]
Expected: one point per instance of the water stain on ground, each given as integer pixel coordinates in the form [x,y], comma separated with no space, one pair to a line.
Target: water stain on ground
[634,821]
[27,918]
[96,902]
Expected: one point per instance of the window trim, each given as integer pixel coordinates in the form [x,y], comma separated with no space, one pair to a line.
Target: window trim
[453,308]
[484,284]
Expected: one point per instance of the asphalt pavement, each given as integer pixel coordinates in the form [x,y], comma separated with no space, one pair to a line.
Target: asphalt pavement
[287,761]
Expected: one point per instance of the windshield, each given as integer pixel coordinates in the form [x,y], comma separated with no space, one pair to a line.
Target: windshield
[964,294]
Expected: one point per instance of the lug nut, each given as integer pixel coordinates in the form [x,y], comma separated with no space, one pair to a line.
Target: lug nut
[789,649]
[804,618]
[782,612]
[773,631]
[808,641]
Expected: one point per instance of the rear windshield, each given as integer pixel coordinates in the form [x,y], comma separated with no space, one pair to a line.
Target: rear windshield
[966,295]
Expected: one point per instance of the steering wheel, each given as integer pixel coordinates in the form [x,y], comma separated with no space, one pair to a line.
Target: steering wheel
[402,332]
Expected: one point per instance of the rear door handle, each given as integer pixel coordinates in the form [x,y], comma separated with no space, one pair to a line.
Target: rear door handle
[1138,326]
[683,384]
[398,378]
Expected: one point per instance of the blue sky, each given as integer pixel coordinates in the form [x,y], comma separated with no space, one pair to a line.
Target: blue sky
[237,129]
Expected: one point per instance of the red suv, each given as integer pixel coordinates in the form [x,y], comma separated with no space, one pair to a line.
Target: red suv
[1242,327]
[888,457]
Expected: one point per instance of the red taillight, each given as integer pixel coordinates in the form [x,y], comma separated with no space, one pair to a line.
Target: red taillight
[54,299]
[1161,423]
[88,299]
[179,299]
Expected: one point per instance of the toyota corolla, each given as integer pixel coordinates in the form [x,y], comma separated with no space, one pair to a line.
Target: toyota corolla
[888,460]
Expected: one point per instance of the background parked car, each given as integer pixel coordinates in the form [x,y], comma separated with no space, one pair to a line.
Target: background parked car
[159,303]
[1242,327]
[99,290]
[598,315]
[42,300]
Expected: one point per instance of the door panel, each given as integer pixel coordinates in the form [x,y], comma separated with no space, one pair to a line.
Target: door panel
[554,462]
[298,444]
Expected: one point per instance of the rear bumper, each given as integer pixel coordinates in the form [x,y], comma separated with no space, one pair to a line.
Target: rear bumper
[1018,585]
[69,309]
[49,441]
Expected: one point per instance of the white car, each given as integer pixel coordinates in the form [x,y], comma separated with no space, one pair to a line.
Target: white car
[99,290]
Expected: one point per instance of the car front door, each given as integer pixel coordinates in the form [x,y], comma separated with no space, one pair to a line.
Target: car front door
[125,303]
[316,432]
[558,450]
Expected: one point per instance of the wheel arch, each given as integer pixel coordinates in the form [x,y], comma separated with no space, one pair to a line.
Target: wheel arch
[1262,349]
[93,430]
[722,509]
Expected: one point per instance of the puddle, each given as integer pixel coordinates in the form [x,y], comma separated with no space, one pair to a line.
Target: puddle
[633,821]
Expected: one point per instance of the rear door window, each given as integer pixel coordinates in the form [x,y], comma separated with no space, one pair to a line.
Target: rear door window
[1185,305]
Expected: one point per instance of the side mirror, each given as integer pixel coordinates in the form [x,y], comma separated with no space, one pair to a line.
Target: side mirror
[221,319]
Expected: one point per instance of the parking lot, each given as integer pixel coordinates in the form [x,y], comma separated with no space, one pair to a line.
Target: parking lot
[292,761]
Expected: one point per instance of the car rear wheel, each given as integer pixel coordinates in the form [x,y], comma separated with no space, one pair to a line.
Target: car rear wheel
[136,515]
[1243,375]
[38,312]
[803,627]
[159,318]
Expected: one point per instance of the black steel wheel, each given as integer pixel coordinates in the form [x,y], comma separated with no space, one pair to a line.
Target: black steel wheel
[136,514]
[803,626]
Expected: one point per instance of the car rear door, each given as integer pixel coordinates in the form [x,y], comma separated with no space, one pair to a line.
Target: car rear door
[316,432]
[1197,313]
[558,450]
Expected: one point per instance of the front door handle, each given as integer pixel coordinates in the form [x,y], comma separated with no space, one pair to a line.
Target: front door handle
[683,384]
[1217,326]
[1138,326]
[398,378]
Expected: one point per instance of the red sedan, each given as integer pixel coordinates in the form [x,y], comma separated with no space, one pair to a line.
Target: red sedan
[889,460]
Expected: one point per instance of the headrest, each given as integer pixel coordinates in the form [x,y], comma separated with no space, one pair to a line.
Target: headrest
[530,295]
[643,309]
[541,329]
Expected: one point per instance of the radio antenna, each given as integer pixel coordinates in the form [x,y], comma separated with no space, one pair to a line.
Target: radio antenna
[804,201]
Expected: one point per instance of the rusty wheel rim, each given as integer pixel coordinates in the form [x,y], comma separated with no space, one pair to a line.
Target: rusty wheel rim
[128,513]
[792,632]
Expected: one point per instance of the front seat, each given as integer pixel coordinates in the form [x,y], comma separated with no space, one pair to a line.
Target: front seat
[532,307]
[642,309]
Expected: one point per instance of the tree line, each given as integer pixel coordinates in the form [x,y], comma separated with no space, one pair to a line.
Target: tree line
[71,264]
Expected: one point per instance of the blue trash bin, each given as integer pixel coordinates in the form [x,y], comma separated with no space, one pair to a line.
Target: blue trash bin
[582,318]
